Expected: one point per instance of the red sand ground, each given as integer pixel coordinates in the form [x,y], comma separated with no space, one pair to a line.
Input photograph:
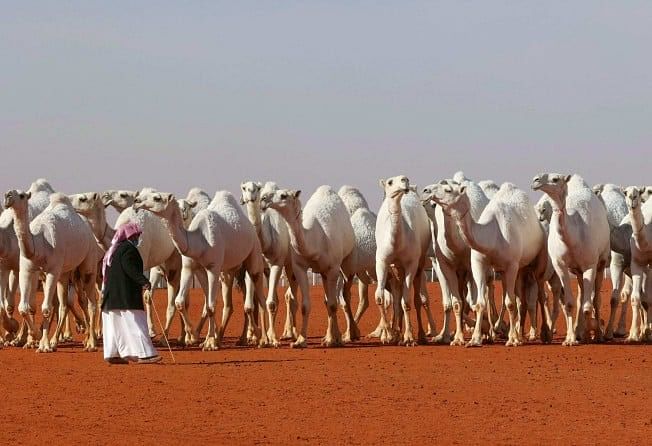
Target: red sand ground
[360,394]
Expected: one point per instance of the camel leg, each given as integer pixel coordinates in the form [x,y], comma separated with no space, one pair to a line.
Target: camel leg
[11,288]
[408,290]
[290,330]
[386,334]
[333,337]
[597,299]
[458,309]
[27,307]
[272,303]
[479,303]
[510,276]
[425,303]
[49,288]
[637,284]
[448,283]
[531,290]
[89,290]
[302,280]
[419,282]
[557,295]
[181,301]
[226,285]
[211,342]
[202,278]
[621,331]
[588,283]
[172,282]
[363,298]
[148,296]
[352,333]
[255,291]
[62,295]
[617,275]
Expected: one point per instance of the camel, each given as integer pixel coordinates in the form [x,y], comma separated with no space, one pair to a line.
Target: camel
[61,245]
[274,237]
[543,209]
[614,200]
[403,239]
[453,257]
[39,191]
[323,240]
[578,242]
[219,238]
[640,216]
[506,237]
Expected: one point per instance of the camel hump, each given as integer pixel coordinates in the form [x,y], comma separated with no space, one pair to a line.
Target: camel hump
[60,198]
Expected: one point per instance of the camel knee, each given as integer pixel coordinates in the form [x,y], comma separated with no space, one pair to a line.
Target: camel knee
[332,309]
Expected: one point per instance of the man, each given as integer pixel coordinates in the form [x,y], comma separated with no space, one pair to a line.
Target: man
[124,324]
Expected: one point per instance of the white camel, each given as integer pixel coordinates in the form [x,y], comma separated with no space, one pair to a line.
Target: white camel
[489,187]
[274,237]
[39,191]
[220,239]
[453,257]
[640,216]
[506,237]
[61,245]
[578,242]
[119,199]
[322,239]
[614,201]
[403,239]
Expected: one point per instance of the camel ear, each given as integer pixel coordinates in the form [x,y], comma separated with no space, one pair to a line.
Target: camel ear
[382,184]
[28,195]
[136,194]
[170,197]
[259,185]
[95,196]
[192,204]
[567,179]
[296,193]
[242,202]
[242,186]
[462,189]
[641,190]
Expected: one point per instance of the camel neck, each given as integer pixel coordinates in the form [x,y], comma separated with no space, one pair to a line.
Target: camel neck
[559,221]
[102,231]
[298,237]
[180,235]
[395,221]
[638,228]
[479,236]
[255,217]
[24,235]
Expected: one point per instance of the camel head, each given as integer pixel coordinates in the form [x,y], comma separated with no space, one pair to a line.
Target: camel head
[553,184]
[544,210]
[634,196]
[449,194]
[86,204]
[646,194]
[250,192]
[119,199]
[395,187]
[17,200]
[158,203]
[186,207]
[597,189]
[285,201]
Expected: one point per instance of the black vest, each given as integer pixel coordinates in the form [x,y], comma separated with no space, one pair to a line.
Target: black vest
[125,280]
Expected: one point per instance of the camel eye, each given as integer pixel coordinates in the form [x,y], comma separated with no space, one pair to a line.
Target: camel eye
[284,196]
[82,199]
[123,195]
[21,196]
[157,198]
[555,180]
[390,182]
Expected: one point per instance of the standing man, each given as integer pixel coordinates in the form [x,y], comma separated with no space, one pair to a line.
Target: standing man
[124,324]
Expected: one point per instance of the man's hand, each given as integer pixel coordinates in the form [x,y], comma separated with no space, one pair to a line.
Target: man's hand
[147,286]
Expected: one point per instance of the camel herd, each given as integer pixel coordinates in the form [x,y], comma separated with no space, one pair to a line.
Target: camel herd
[470,233]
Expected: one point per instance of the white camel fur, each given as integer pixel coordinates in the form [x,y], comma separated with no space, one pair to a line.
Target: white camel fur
[61,245]
[578,242]
[322,239]
[640,215]
[274,237]
[506,237]
[403,239]
[219,239]
[39,191]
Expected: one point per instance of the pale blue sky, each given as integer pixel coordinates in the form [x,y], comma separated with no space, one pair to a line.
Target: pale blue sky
[97,95]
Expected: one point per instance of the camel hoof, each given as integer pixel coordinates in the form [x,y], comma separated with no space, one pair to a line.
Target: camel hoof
[299,343]
[330,342]
[457,343]
[287,336]
[209,344]
[620,334]
[473,343]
